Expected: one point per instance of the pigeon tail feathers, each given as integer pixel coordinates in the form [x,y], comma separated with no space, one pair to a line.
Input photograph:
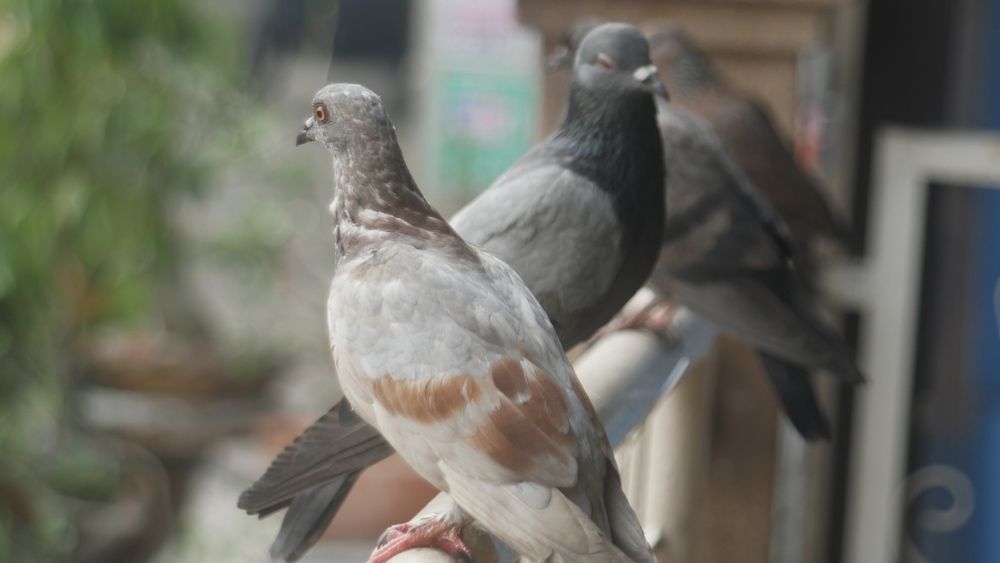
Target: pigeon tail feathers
[798,398]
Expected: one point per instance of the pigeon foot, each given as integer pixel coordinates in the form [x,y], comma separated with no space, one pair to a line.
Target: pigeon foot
[437,533]
[656,318]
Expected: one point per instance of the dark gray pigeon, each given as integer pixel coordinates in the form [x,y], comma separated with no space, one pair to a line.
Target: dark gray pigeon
[729,258]
[749,134]
[579,218]
[574,216]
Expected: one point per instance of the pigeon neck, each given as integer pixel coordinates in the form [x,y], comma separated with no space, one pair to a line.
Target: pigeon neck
[599,122]
[690,74]
[376,199]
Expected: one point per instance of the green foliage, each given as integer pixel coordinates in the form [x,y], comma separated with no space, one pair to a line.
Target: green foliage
[81,470]
[100,111]
[104,110]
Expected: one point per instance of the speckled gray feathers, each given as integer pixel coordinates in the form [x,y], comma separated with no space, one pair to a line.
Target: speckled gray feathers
[728,257]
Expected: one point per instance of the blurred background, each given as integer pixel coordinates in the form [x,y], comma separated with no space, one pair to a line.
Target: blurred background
[165,254]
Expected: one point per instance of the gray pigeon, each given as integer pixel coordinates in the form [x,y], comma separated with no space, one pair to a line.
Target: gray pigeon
[728,257]
[575,216]
[747,131]
[579,218]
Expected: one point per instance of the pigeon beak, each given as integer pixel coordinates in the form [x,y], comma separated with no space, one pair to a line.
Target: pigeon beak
[304,135]
[560,59]
[648,76]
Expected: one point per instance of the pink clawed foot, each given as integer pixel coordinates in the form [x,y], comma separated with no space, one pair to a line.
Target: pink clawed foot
[433,532]
[656,319]
[393,533]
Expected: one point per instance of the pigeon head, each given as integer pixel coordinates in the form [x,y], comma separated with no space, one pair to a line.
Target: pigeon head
[343,113]
[370,173]
[685,68]
[614,57]
[565,51]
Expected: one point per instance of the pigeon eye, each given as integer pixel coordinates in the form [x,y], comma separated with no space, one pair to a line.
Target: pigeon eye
[605,62]
[319,112]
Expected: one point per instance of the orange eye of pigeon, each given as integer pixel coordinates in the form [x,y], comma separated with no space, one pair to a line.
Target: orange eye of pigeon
[320,113]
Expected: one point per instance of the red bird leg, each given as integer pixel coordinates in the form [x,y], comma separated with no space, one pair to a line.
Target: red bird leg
[656,319]
[441,532]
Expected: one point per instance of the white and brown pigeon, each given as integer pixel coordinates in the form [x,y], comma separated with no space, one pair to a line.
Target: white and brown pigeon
[443,349]
[579,218]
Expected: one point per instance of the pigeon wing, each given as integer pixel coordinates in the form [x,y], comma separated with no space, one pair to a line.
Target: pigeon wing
[485,405]
[718,226]
[337,444]
[554,227]
[749,132]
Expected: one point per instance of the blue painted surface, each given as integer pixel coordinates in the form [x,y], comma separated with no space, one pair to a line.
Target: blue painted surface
[983,456]
[977,453]
[974,446]
[986,522]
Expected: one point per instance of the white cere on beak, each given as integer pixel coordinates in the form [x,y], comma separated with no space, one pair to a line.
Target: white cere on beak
[310,122]
[643,73]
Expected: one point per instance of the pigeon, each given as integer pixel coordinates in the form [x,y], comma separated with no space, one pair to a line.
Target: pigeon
[748,132]
[728,256]
[579,218]
[440,346]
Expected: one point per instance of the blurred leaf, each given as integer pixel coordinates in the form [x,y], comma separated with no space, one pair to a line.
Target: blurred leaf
[106,111]
[83,471]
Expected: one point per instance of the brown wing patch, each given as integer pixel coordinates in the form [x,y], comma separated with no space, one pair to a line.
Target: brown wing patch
[425,401]
[509,377]
[520,415]
[548,407]
[532,424]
